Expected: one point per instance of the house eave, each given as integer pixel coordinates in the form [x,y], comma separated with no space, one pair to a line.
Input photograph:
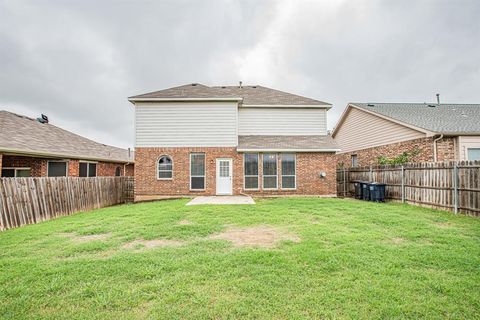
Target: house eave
[302,106]
[133,99]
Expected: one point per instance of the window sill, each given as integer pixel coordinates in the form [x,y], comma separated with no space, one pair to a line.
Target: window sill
[164,179]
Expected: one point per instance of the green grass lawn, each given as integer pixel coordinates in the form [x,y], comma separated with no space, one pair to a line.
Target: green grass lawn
[354,260]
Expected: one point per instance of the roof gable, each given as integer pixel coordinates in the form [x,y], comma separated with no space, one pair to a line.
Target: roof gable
[249,95]
[449,119]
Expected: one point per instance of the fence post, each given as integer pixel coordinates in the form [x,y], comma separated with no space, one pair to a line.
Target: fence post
[455,187]
[344,182]
[403,183]
[370,174]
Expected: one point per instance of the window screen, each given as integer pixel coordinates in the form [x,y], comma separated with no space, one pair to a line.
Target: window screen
[251,170]
[57,169]
[8,173]
[288,171]
[118,172]
[270,171]
[197,171]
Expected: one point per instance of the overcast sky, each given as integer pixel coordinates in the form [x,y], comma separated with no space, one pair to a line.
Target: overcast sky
[78,61]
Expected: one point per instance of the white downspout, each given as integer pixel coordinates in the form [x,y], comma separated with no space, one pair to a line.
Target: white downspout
[435,147]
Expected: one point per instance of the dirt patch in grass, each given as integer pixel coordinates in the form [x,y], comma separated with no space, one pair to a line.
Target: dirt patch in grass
[85,238]
[150,244]
[184,223]
[443,225]
[397,240]
[257,236]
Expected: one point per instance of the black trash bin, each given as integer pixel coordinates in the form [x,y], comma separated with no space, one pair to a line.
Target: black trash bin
[358,189]
[377,192]
[365,190]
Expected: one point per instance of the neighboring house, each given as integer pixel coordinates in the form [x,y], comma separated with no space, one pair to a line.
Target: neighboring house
[35,148]
[427,132]
[201,140]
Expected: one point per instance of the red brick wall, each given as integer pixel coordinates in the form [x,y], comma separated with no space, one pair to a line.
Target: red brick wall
[369,156]
[309,166]
[38,166]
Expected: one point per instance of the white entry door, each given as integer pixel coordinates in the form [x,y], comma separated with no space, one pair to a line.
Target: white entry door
[224,176]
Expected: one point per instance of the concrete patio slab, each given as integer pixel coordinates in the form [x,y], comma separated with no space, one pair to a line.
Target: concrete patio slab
[221,200]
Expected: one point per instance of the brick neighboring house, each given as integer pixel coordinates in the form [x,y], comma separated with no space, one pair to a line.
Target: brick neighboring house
[429,132]
[29,147]
[200,140]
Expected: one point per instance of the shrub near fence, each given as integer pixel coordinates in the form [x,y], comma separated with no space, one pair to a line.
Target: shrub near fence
[31,200]
[453,186]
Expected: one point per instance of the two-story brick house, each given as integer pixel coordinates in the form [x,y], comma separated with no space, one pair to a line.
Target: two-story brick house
[200,140]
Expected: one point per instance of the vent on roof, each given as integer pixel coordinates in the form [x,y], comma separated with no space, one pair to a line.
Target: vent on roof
[43,119]
[370,105]
[254,87]
[223,87]
[194,84]
[432,105]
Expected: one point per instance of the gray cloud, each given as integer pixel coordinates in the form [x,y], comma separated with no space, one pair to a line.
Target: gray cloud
[78,61]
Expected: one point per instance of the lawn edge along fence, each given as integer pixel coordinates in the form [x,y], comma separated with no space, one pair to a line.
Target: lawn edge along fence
[452,186]
[31,200]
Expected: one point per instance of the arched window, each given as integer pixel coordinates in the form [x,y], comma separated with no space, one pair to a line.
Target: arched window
[165,168]
[118,172]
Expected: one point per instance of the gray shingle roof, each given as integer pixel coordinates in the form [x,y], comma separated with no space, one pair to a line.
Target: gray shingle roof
[305,143]
[26,135]
[443,118]
[251,95]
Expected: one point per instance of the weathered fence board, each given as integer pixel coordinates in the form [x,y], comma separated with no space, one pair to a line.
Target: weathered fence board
[31,200]
[453,186]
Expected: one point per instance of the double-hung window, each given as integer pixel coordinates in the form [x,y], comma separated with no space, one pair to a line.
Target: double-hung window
[288,171]
[270,171]
[250,165]
[197,171]
[88,169]
[57,168]
[165,168]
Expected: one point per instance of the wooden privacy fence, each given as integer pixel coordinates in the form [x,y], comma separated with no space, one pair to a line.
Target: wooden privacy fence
[31,200]
[453,186]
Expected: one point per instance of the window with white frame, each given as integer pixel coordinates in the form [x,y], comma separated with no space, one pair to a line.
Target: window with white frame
[270,171]
[15,172]
[87,169]
[197,171]
[57,169]
[354,160]
[473,154]
[288,171]
[250,165]
[165,168]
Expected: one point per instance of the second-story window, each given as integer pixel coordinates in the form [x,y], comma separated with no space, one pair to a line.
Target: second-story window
[165,168]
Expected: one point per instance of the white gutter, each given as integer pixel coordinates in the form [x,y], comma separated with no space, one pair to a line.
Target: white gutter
[435,147]
[56,155]
[286,150]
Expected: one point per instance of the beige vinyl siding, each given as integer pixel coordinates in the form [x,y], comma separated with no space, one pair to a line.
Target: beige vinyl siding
[465,142]
[361,130]
[186,124]
[282,121]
